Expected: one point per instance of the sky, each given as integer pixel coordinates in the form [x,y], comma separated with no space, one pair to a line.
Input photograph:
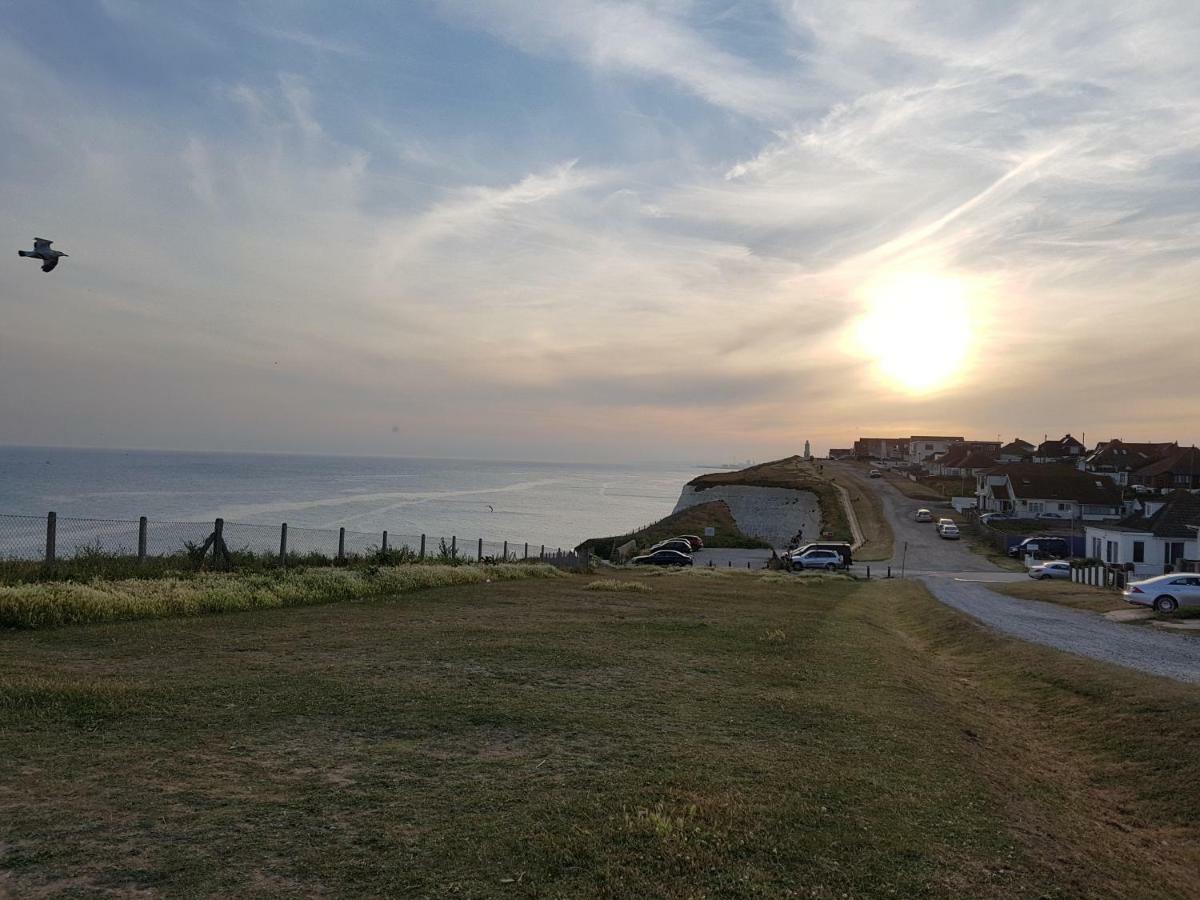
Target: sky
[598,230]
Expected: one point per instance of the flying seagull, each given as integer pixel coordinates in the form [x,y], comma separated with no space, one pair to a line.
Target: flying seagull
[41,250]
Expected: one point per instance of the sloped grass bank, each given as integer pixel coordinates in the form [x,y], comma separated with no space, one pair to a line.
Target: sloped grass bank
[693,520]
[53,604]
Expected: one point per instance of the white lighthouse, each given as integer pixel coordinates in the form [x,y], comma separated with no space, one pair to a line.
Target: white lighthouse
[807,450]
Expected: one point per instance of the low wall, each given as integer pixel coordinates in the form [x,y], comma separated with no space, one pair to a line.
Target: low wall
[774,515]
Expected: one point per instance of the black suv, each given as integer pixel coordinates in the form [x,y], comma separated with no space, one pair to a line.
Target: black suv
[1041,548]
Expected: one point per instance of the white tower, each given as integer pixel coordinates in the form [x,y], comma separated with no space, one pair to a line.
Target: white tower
[807,450]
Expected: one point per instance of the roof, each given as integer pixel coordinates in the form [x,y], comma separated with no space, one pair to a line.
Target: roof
[1017,448]
[1119,455]
[933,437]
[979,459]
[1185,460]
[1172,519]
[1061,447]
[1042,482]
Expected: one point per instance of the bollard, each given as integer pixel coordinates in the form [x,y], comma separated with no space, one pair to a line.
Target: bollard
[51,534]
[422,546]
[479,552]
[710,563]
[868,573]
[341,557]
[729,562]
[747,564]
[889,575]
[283,545]
[142,540]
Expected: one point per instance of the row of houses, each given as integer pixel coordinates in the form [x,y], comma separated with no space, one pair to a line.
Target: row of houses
[1134,500]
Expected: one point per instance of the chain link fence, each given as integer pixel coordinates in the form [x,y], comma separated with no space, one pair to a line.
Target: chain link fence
[51,538]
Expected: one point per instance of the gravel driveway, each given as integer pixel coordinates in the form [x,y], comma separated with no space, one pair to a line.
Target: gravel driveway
[956,576]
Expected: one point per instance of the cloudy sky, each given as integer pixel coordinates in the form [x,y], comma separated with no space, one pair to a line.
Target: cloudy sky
[598,229]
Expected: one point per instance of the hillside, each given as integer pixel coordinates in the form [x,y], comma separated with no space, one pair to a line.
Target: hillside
[692,520]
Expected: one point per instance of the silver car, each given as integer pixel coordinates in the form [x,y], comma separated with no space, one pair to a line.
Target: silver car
[818,559]
[1054,569]
[1165,593]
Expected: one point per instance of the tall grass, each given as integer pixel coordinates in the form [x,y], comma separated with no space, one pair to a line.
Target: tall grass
[51,604]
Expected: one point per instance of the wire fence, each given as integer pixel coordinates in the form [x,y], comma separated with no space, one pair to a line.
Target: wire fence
[51,538]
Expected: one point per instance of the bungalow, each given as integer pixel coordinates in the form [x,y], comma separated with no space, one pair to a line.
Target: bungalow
[923,447]
[1030,490]
[1065,449]
[1180,469]
[1015,452]
[963,459]
[1153,539]
[1118,459]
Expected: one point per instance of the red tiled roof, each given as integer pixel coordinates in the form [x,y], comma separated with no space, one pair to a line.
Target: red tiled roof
[1057,482]
[1186,461]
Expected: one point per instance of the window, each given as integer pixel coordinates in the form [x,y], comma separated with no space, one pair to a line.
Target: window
[1172,552]
[1095,548]
[1035,506]
[1139,551]
[1110,551]
[1063,507]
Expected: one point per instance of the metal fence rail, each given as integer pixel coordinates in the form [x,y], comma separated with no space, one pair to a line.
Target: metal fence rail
[51,537]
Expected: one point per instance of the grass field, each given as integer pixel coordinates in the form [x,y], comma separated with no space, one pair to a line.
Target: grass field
[720,734]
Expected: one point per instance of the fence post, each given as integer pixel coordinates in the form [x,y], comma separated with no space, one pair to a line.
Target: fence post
[341,557]
[142,540]
[479,552]
[422,546]
[220,555]
[453,545]
[506,551]
[526,556]
[51,534]
[543,556]
[283,545]
[383,546]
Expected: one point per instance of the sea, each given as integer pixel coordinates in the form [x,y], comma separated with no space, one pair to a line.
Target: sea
[556,504]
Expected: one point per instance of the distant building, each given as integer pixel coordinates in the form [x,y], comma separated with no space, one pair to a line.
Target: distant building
[1118,460]
[1178,469]
[1015,452]
[1065,449]
[840,453]
[924,447]
[1031,490]
[881,448]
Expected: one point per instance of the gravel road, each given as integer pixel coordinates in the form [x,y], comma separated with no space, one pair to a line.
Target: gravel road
[957,577]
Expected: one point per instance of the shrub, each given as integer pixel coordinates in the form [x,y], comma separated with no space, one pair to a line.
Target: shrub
[612,584]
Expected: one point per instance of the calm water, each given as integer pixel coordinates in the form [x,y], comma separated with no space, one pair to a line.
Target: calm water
[557,504]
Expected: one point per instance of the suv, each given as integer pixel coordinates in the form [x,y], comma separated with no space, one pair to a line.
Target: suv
[1041,548]
[839,547]
[818,559]
[924,515]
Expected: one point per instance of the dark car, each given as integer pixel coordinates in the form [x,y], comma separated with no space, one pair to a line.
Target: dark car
[1041,548]
[673,544]
[839,546]
[663,558]
[692,539]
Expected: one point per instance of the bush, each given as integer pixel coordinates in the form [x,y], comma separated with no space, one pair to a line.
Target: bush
[612,584]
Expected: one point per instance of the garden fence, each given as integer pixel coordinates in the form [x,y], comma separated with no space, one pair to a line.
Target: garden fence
[52,537]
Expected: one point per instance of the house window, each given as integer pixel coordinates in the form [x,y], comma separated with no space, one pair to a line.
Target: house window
[1139,551]
[1095,548]
[1063,507]
[929,446]
[1172,552]
[1110,551]
[1035,506]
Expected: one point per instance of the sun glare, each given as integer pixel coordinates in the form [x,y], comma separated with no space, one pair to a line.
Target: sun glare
[917,329]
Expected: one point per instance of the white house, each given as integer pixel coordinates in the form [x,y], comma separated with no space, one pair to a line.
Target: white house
[922,448]
[1030,490]
[1153,539]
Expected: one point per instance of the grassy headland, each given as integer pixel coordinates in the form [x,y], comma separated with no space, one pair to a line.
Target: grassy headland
[692,520]
[723,735]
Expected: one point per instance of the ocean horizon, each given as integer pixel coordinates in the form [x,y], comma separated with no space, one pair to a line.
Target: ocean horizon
[557,504]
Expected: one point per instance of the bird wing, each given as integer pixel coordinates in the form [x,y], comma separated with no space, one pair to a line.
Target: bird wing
[49,264]
[41,244]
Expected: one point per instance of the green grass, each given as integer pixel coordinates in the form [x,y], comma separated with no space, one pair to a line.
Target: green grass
[727,735]
[692,520]
[53,604]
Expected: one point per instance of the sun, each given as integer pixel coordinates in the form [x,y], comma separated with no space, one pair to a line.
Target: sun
[917,329]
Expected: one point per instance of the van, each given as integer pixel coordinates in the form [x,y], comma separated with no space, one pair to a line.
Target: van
[1041,548]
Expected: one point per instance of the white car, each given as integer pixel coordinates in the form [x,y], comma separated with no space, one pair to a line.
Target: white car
[818,559]
[1165,593]
[948,532]
[943,522]
[924,515]
[1055,569]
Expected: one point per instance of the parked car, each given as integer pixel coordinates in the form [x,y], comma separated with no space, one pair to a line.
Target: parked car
[875,473]
[818,559]
[673,544]
[1042,547]
[924,515]
[663,558]
[1055,569]
[989,517]
[1165,593]
[839,547]
[948,532]
[1052,515]
[943,522]
[696,542]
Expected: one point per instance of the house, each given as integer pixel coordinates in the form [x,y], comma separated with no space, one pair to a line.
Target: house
[1065,449]
[1179,469]
[967,458]
[1118,459]
[881,448]
[923,447]
[1153,539]
[1015,452]
[1029,490]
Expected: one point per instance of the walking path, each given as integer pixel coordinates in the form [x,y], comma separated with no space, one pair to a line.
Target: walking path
[958,577]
